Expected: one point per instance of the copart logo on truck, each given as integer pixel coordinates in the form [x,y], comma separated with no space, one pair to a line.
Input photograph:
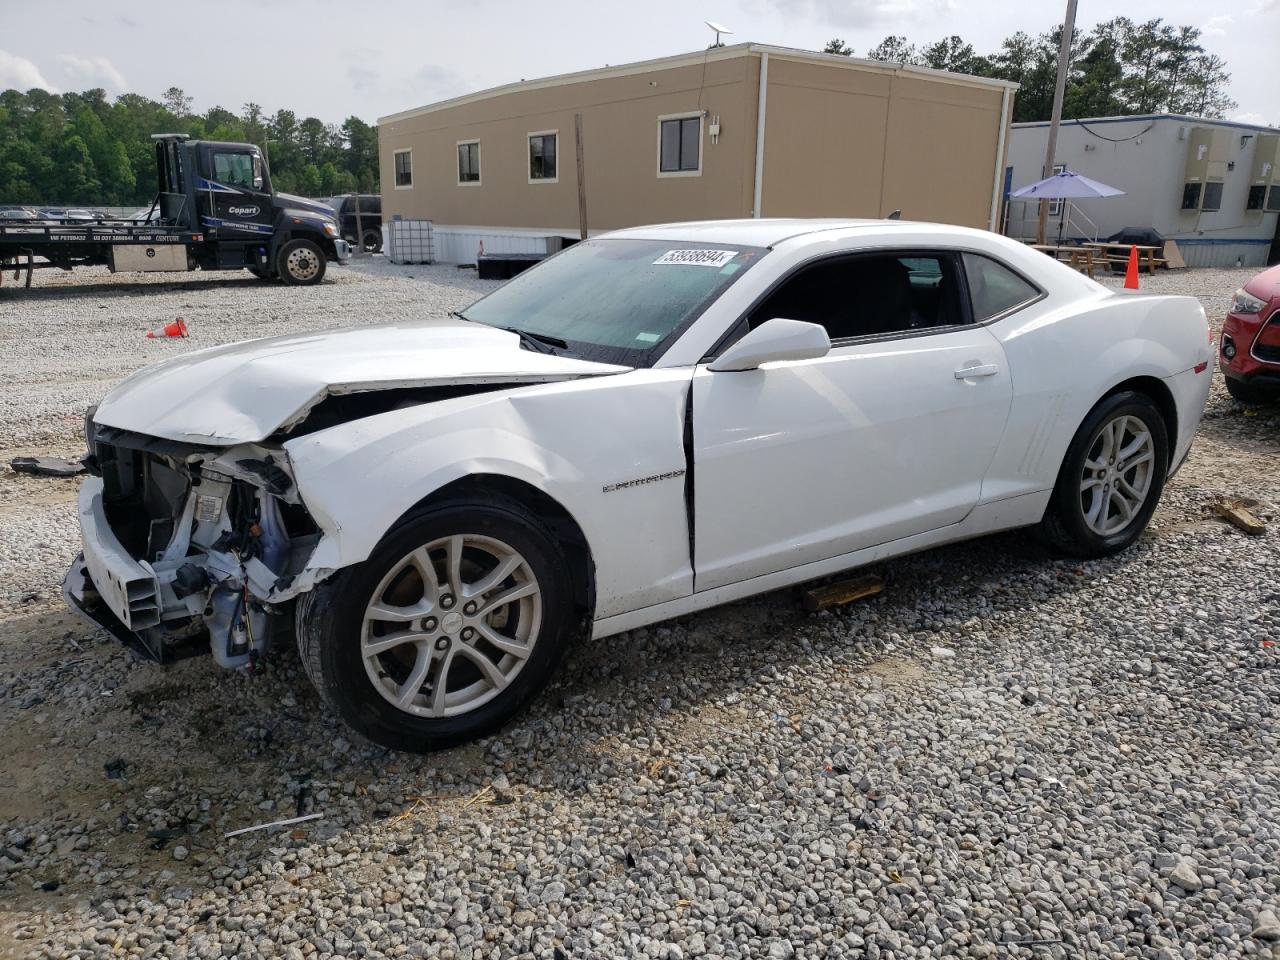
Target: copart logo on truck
[250,211]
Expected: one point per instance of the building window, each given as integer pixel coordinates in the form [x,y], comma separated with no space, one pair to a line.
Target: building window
[680,145]
[1055,206]
[1191,196]
[404,169]
[469,162]
[543,148]
[1273,198]
[1212,195]
[1257,197]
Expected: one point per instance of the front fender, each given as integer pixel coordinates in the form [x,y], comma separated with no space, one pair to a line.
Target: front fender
[569,440]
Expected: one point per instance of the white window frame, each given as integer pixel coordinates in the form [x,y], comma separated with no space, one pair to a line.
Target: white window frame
[702,137]
[394,154]
[529,160]
[457,167]
[1056,206]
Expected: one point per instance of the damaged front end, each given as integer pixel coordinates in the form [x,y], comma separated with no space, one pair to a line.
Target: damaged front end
[186,545]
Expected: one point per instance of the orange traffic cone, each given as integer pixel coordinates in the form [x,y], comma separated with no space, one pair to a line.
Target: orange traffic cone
[1131,273]
[178,328]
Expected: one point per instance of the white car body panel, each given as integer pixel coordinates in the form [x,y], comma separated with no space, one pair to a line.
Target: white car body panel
[800,468]
[871,443]
[570,440]
[244,392]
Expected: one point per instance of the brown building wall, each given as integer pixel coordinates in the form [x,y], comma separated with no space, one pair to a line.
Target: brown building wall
[841,140]
[620,144]
[863,142]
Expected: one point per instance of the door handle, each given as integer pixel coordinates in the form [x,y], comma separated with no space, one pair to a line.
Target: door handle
[977,370]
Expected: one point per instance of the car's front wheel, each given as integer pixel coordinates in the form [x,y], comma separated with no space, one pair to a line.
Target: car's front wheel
[452,625]
[1111,478]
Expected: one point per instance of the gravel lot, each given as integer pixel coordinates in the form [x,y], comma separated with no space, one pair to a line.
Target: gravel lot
[1005,754]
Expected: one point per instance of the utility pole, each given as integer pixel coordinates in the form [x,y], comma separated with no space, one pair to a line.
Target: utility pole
[582,178]
[1059,91]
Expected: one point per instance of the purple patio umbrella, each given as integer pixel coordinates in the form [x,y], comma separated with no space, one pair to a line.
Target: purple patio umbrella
[1066,185]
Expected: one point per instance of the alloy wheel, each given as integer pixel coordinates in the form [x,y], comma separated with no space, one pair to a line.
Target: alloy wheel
[451,625]
[1118,471]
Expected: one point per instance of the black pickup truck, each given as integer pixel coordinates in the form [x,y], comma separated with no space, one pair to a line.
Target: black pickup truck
[214,210]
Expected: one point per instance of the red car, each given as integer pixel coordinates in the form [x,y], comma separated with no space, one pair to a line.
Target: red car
[1249,354]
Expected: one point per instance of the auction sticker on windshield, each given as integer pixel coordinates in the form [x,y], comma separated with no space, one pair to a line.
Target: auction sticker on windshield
[697,258]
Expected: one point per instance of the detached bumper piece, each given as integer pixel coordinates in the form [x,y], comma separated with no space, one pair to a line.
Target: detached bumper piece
[82,596]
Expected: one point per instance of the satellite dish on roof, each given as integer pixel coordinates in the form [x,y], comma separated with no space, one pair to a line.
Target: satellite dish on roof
[719,28]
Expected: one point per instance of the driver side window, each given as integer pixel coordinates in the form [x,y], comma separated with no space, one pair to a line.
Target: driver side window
[238,170]
[870,295]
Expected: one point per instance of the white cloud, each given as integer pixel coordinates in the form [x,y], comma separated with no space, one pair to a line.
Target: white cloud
[1217,26]
[19,73]
[92,72]
[1256,119]
[866,13]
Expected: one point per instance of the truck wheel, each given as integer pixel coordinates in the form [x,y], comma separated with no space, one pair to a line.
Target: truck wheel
[300,263]
[457,619]
[373,240]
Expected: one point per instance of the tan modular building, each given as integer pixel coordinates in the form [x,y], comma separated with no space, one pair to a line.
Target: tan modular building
[737,131]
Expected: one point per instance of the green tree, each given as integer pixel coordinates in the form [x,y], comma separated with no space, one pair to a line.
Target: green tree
[177,102]
[894,49]
[838,47]
[952,53]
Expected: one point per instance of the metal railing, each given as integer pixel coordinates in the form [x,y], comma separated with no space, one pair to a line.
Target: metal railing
[1022,220]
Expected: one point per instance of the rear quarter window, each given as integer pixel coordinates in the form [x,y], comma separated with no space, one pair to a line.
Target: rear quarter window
[994,288]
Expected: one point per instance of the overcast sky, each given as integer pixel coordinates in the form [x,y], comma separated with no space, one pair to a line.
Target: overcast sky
[332,59]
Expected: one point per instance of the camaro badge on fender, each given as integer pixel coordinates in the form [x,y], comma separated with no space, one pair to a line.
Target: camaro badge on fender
[669,475]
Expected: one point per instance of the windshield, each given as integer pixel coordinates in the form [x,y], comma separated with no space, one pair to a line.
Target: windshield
[616,300]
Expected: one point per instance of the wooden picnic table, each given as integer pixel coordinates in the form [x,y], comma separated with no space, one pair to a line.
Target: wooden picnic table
[1115,253]
[1076,256]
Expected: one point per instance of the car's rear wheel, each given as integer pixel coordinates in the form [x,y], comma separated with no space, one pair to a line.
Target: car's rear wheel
[452,625]
[1111,478]
[300,263]
[372,240]
[1247,392]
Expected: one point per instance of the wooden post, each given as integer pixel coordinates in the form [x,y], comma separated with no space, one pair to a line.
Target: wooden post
[582,179]
[1059,90]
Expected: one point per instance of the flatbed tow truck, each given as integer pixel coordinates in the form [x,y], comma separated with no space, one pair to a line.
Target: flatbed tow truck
[214,210]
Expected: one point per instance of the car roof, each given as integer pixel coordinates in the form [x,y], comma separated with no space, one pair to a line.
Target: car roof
[763,232]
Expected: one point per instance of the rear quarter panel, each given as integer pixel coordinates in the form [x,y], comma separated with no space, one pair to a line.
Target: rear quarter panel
[1064,358]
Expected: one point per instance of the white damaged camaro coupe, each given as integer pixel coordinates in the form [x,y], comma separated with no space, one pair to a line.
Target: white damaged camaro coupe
[650,423]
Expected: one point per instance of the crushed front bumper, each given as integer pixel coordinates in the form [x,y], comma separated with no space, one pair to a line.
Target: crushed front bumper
[109,588]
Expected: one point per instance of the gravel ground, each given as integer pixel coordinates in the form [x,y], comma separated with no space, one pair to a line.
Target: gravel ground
[1006,754]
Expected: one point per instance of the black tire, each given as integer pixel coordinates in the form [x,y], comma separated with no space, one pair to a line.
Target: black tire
[1065,525]
[331,618]
[372,240]
[300,263]
[1248,393]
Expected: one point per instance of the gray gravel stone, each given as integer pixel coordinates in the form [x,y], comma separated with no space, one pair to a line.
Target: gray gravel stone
[752,781]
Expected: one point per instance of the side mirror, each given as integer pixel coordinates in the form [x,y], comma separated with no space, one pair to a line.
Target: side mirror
[775,339]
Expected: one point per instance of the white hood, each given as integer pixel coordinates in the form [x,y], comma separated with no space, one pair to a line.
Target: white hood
[244,392]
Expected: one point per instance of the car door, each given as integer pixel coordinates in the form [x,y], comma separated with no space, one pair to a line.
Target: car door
[887,436]
[235,198]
